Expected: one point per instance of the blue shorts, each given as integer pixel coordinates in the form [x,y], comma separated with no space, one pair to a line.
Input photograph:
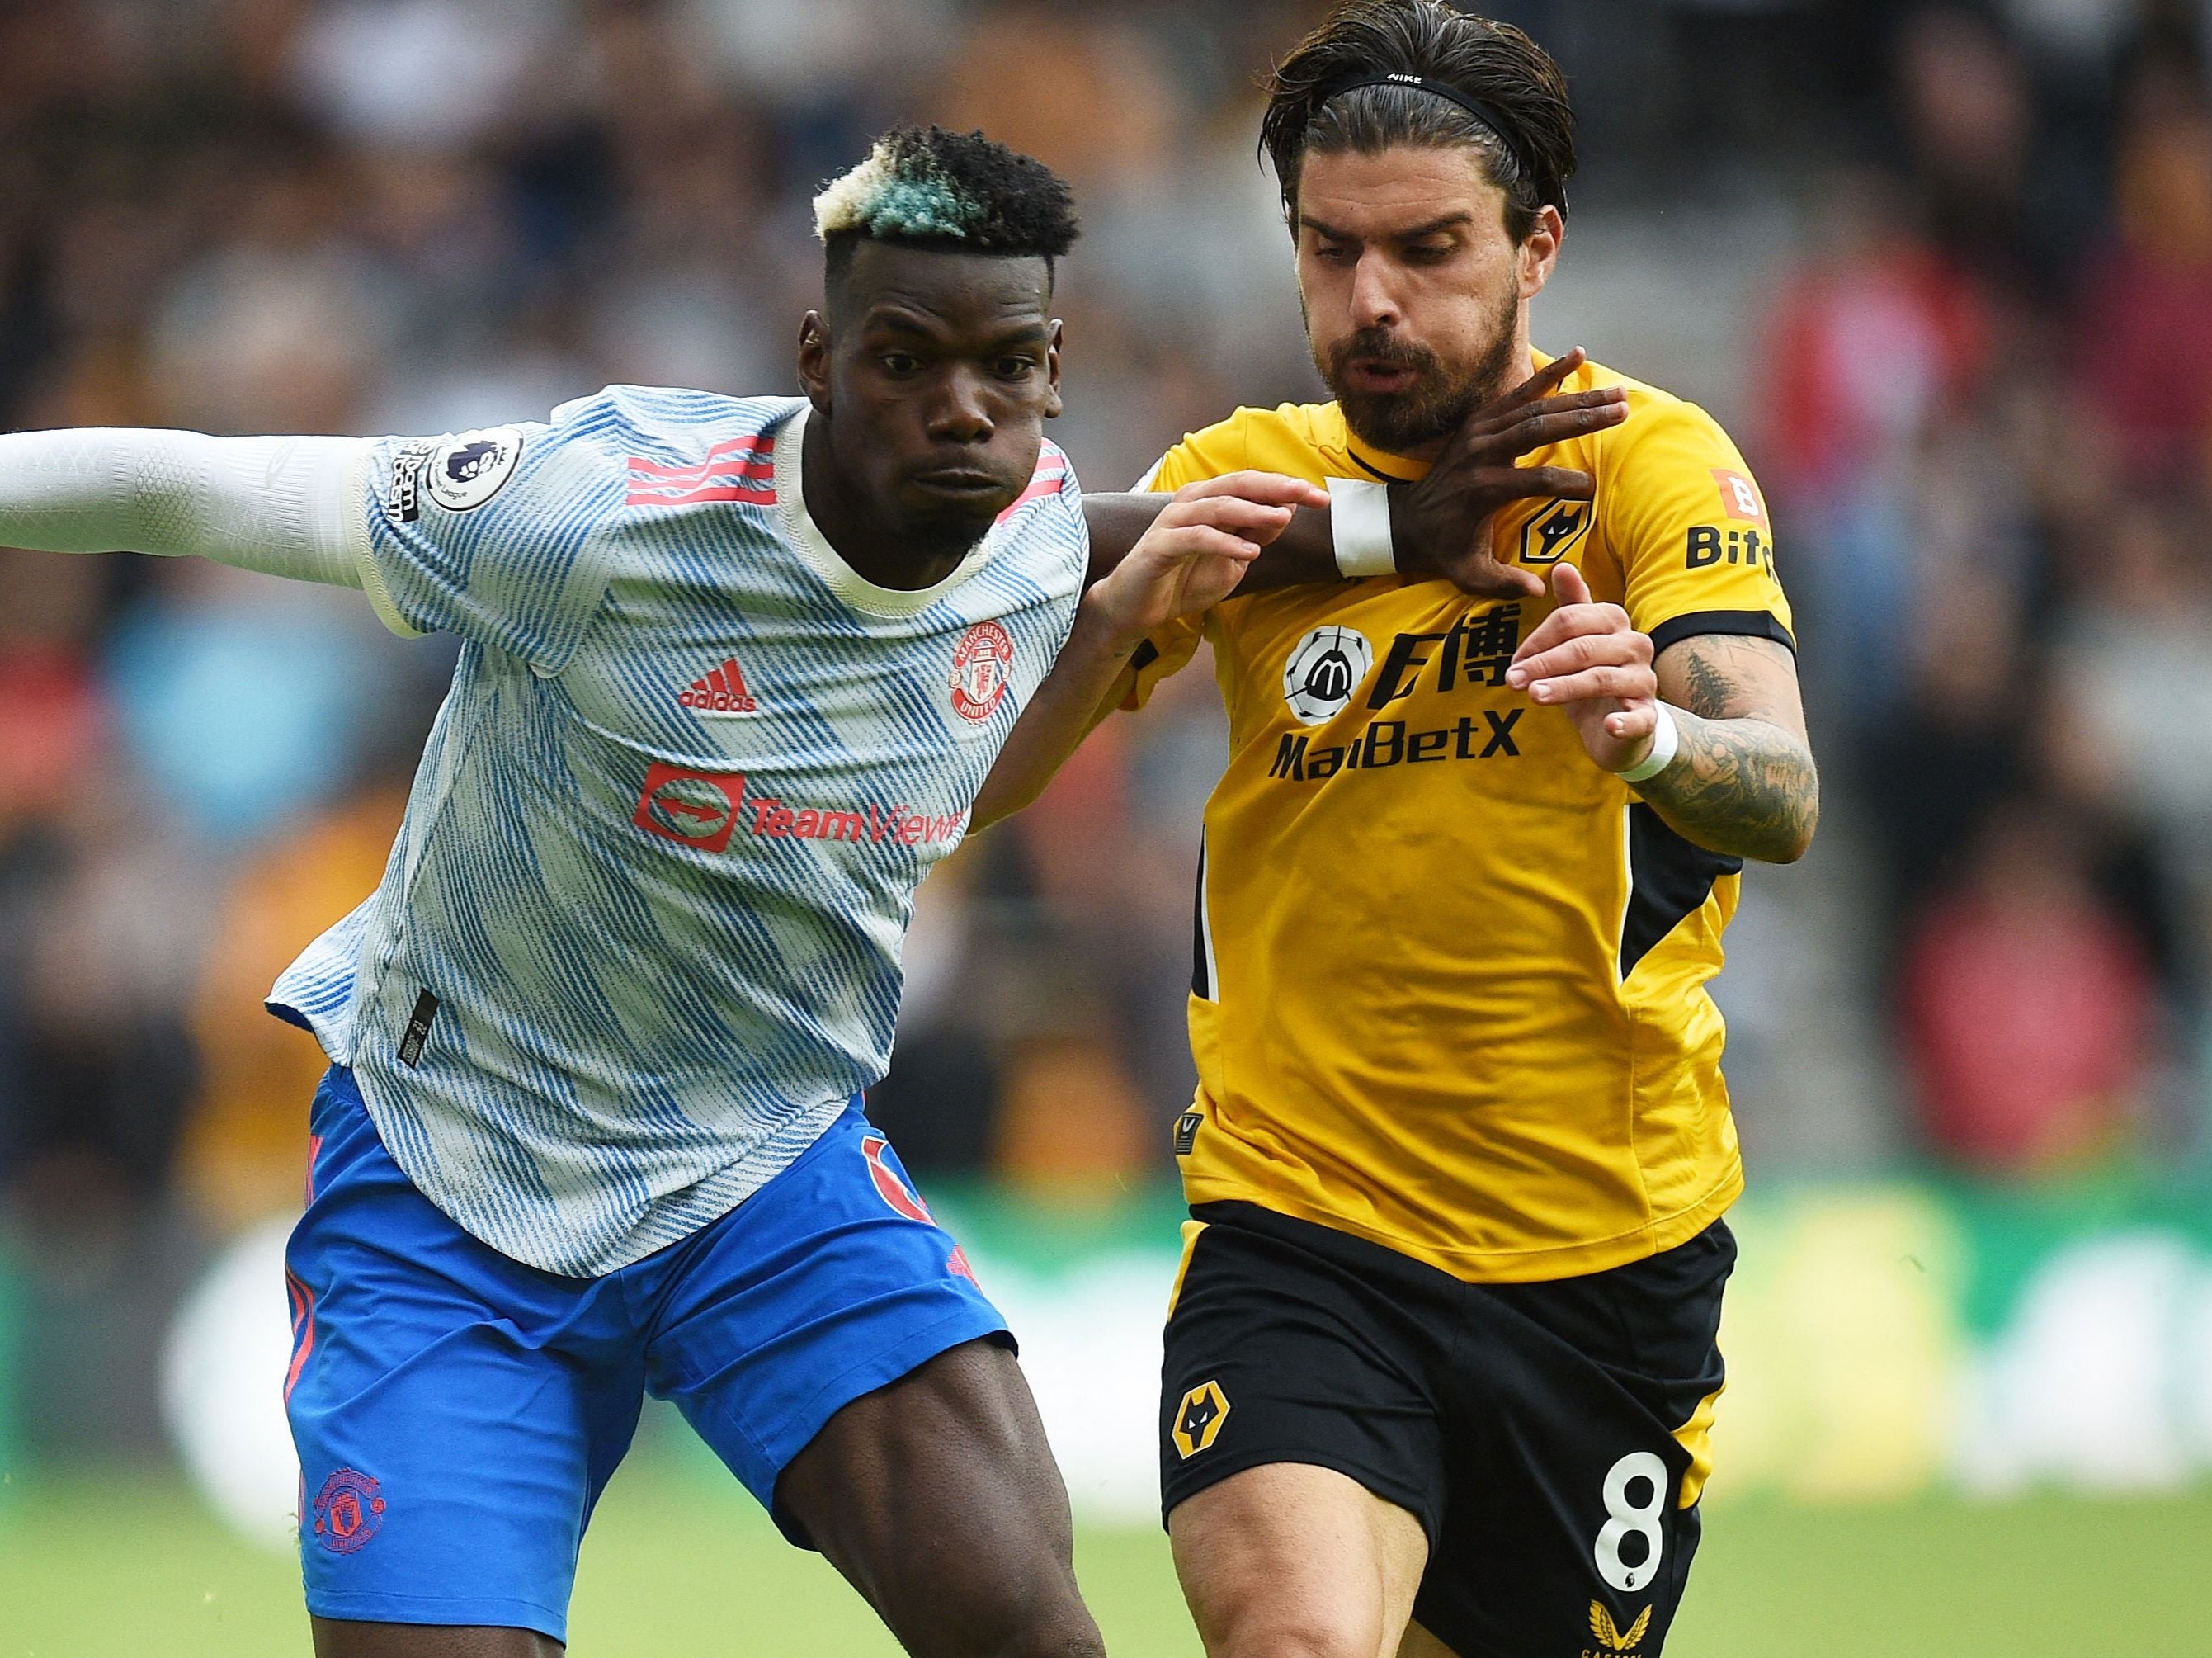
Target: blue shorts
[457,1413]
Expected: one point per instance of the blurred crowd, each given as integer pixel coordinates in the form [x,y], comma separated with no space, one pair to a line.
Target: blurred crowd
[1981,400]
[1988,414]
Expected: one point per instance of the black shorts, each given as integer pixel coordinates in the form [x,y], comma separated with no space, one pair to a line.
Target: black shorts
[1536,1430]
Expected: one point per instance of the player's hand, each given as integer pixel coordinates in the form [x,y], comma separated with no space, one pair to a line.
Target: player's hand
[1196,550]
[1586,658]
[1441,524]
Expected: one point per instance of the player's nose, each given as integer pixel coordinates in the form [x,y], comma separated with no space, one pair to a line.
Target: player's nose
[960,412]
[1374,292]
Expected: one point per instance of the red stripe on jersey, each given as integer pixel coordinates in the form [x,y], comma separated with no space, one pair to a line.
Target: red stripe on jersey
[1051,473]
[741,470]
[734,446]
[749,495]
[760,467]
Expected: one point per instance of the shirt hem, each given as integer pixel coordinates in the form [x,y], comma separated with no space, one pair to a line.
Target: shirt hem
[700,1205]
[1501,1265]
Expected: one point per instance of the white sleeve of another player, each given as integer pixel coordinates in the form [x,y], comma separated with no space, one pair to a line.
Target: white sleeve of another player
[284,506]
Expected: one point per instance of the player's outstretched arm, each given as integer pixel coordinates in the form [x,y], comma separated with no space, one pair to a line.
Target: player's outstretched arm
[1196,549]
[275,504]
[1438,527]
[1741,780]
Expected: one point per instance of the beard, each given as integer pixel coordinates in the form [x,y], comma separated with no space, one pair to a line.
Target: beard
[1440,397]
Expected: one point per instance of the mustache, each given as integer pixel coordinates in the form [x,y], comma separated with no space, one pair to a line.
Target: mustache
[1382,345]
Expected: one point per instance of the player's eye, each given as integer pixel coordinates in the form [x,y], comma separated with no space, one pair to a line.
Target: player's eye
[1429,252]
[1335,252]
[1016,368]
[900,364]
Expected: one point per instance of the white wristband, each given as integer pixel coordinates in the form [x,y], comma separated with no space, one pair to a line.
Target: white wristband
[1359,524]
[1665,743]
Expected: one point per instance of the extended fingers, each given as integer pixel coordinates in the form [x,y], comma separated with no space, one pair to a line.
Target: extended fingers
[1182,541]
[1574,623]
[1264,488]
[1622,682]
[1228,512]
[1553,374]
[1583,650]
[1544,425]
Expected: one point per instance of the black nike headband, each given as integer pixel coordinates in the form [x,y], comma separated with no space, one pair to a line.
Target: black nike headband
[1487,113]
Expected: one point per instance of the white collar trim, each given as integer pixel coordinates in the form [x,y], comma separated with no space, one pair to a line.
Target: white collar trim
[848,583]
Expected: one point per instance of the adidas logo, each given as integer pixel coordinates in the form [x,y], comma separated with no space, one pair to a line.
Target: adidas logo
[722,692]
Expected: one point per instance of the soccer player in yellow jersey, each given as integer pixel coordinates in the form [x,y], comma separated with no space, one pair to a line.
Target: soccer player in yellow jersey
[1442,1357]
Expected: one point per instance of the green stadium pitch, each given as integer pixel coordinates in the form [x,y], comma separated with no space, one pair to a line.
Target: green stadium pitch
[113,1565]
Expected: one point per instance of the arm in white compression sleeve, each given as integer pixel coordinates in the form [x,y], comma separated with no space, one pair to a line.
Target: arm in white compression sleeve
[284,506]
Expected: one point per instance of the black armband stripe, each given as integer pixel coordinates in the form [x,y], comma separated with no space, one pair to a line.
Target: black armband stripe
[1744,623]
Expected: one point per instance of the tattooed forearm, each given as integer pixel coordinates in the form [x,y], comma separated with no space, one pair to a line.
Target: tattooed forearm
[1744,781]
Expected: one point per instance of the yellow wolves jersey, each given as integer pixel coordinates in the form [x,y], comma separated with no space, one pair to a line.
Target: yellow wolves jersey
[1449,992]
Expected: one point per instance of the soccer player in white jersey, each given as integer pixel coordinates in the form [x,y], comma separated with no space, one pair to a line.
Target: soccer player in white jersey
[731,673]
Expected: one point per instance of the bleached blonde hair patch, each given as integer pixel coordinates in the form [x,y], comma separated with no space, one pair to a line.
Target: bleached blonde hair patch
[900,190]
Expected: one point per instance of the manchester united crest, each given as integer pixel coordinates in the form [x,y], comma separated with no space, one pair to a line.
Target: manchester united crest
[981,663]
[349,1509]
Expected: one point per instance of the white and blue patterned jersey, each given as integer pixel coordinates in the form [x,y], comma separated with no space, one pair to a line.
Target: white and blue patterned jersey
[639,940]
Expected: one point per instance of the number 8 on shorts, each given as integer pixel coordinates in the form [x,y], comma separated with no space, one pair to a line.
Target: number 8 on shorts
[1625,1519]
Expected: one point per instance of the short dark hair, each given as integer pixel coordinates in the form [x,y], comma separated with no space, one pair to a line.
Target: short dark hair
[959,191]
[1526,133]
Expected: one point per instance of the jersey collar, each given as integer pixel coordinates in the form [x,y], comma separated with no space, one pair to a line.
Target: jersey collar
[848,583]
[1379,464]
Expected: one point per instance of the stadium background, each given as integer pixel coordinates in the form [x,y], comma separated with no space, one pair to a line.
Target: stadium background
[1947,274]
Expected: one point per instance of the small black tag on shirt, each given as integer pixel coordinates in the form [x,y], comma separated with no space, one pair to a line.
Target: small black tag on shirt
[418,1030]
[1187,1133]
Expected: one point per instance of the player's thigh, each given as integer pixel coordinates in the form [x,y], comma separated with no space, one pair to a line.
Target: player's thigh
[454,1414]
[937,1497]
[1301,1445]
[1578,1433]
[828,1339]
[1292,1561]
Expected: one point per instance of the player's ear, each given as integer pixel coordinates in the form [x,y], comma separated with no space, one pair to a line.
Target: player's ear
[1052,403]
[1542,250]
[814,359]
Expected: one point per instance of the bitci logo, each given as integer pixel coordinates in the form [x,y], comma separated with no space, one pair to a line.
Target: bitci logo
[349,1509]
[1740,497]
[1328,666]
[980,663]
[699,808]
